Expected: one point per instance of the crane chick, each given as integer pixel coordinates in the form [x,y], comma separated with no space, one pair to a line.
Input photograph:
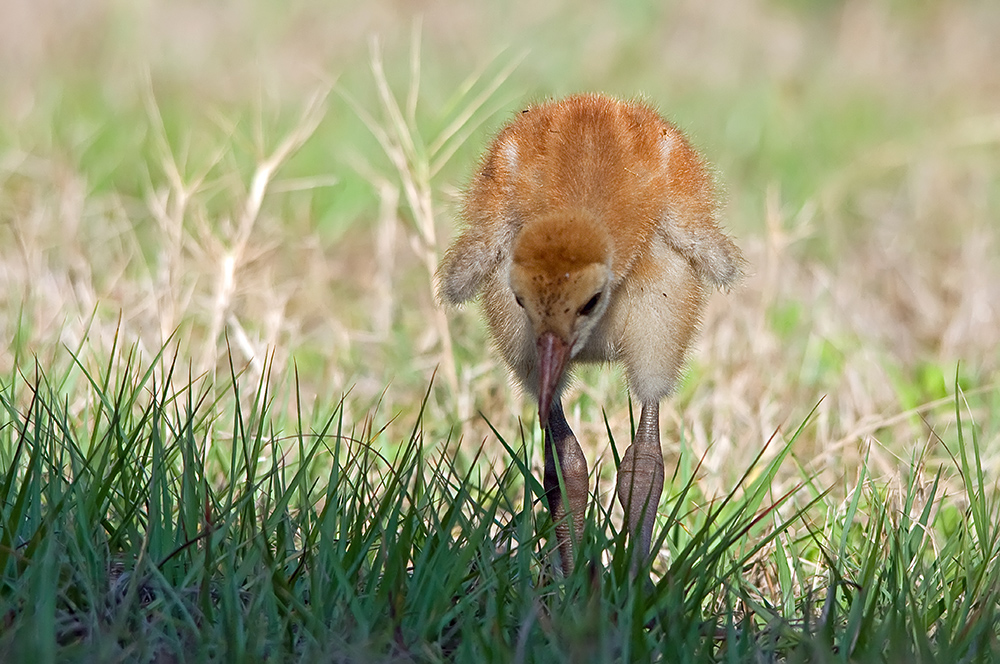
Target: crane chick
[591,236]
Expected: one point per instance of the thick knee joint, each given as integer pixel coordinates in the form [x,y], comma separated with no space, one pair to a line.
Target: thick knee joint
[640,484]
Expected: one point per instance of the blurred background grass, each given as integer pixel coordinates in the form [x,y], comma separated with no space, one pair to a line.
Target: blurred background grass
[856,142]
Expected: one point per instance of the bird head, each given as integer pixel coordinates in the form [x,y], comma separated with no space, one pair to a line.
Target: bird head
[561,277]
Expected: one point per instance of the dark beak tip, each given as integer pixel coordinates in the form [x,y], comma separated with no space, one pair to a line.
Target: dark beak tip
[543,416]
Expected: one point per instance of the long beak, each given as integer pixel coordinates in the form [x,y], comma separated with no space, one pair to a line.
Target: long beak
[553,354]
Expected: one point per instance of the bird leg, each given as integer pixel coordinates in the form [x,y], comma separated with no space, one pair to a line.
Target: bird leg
[562,448]
[640,481]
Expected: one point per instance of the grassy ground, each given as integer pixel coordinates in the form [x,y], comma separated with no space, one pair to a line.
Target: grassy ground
[262,191]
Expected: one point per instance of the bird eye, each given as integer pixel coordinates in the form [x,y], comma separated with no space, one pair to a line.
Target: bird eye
[586,309]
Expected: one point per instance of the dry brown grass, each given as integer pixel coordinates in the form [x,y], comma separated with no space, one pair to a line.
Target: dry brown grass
[869,282]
